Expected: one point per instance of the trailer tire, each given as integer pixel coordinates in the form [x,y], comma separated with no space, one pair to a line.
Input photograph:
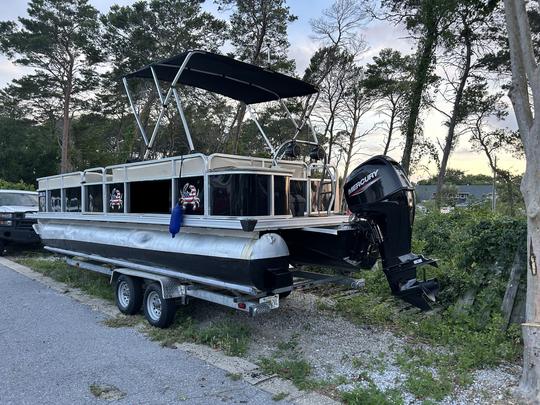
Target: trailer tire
[129,294]
[158,311]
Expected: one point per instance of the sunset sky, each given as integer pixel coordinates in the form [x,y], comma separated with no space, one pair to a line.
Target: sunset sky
[378,35]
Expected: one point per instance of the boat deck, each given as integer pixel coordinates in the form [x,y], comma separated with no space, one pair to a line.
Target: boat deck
[263,223]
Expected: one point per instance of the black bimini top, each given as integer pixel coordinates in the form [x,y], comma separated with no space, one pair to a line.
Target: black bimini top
[227,76]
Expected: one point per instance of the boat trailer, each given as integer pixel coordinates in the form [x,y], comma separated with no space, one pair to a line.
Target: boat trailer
[178,288]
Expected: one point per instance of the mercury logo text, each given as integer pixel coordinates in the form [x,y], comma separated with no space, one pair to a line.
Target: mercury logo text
[363,181]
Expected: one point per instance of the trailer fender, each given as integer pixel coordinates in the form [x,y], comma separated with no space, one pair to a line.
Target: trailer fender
[170,287]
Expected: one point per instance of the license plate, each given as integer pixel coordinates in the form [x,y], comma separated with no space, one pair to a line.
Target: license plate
[272,300]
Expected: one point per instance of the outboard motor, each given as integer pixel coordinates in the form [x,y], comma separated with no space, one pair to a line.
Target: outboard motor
[380,192]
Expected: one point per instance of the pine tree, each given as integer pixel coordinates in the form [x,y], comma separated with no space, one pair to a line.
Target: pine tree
[59,39]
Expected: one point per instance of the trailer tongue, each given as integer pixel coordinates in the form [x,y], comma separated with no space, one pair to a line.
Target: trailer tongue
[378,191]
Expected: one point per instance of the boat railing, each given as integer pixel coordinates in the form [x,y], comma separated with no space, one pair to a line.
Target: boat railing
[316,198]
[79,192]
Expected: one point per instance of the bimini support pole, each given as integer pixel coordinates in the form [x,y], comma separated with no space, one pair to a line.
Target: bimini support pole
[183,118]
[165,102]
[298,129]
[254,118]
[305,119]
[137,118]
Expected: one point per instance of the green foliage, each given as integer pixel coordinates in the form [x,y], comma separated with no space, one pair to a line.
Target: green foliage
[234,376]
[280,396]
[428,20]
[388,80]
[371,395]
[58,39]
[296,370]
[9,185]
[27,151]
[227,336]
[99,141]
[475,249]
[422,384]
[458,177]
[256,27]
[92,283]
[123,321]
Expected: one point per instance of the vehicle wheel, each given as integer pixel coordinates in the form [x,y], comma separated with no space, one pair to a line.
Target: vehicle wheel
[129,295]
[2,248]
[158,311]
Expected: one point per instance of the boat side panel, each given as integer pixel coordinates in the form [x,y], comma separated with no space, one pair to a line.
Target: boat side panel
[261,262]
[265,274]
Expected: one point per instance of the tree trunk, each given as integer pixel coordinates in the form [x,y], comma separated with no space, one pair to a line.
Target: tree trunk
[349,153]
[525,77]
[390,129]
[240,114]
[530,380]
[65,164]
[455,114]
[420,81]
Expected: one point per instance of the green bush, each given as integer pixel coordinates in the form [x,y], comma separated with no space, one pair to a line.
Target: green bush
[475,250]
[9,185]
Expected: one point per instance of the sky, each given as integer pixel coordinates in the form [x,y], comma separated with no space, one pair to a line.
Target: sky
[378,35]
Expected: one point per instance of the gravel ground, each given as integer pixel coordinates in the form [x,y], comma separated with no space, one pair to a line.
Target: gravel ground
[336,347]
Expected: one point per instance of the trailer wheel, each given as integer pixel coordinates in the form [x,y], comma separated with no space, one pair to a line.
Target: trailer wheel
[129,295]
[158,311]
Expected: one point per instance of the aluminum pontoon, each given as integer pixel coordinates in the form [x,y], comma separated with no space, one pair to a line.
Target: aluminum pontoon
[249,222]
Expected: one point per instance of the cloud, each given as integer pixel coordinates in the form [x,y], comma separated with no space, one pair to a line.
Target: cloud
[302,51]
[10,71]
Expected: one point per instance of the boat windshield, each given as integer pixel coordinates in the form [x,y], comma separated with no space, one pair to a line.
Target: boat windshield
[20,199]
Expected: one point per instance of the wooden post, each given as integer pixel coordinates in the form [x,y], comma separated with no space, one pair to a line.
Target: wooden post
[511,289]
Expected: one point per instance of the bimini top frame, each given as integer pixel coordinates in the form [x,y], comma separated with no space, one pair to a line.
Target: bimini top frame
[222,75]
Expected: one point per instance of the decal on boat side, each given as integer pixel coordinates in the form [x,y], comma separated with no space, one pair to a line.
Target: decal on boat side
[361,185]
[116,200]
[190,196]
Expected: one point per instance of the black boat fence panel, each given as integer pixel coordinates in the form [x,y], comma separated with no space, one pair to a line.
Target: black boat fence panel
[191,194]
[72,199]
[94,199]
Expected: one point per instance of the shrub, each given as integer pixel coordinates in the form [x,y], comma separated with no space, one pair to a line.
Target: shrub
[9,185]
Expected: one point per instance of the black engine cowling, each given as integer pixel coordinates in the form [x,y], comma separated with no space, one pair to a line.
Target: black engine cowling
[379,191]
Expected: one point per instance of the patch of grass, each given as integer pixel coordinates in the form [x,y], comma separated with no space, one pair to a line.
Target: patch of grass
[371,395]
[423,384]
[431,374]
[280,396]
[288,345]
[358,362]
[227,336]
[123,321]
[107,392]
[377,364]
[234,376]
[473,340]
[92,283]
[296,370]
